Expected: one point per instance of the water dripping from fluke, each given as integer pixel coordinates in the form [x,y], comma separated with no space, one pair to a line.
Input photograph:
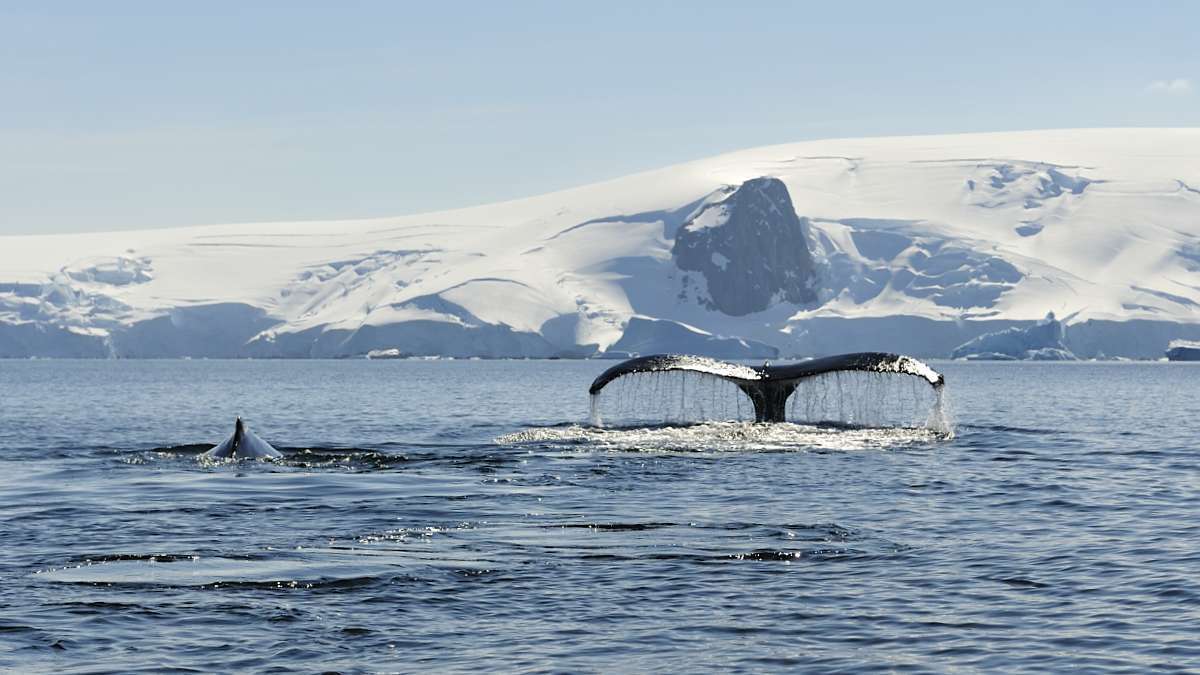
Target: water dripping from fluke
[594,410]
[860,390]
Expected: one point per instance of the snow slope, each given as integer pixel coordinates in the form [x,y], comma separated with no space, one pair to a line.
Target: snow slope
[916,244]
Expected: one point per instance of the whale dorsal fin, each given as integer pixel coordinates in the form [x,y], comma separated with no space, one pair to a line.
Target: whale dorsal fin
[239,432]
[242,444]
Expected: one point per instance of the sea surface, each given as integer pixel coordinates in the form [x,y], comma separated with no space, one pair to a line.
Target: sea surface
[464,516]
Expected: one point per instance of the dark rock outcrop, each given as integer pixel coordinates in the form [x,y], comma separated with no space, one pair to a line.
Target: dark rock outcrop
[751,248]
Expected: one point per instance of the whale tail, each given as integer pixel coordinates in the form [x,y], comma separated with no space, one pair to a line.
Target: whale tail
[768,386]
[242,444]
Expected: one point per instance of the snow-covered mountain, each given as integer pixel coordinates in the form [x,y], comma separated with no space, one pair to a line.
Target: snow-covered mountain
[913,244]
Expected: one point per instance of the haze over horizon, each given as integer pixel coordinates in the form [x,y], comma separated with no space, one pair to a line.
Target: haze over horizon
[136,115]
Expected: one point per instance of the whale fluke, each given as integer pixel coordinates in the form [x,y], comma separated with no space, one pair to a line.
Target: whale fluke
[242,444]
[769,387]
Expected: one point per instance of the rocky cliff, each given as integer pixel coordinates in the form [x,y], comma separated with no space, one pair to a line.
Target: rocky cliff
[751,249]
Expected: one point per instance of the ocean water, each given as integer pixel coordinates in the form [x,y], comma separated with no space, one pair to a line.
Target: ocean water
[462,515]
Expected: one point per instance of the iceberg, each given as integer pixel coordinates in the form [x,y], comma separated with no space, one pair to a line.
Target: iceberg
[1183,350]
[1042,341]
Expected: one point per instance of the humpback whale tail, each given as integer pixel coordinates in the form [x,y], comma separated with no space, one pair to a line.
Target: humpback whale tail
[242,444]
[769,387]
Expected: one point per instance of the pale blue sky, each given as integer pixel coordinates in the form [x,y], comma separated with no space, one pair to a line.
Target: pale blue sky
[118,115]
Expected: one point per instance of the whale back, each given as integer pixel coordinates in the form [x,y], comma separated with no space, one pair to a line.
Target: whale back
[242,444]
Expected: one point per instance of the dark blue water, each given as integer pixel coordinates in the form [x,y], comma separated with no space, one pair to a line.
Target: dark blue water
[452,516]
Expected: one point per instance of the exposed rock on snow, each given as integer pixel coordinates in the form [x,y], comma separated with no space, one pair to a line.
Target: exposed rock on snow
[751,248]
[1042,341]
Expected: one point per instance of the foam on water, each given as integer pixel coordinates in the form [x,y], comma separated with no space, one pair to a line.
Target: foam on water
[301,567]
[207,571]
[727,437]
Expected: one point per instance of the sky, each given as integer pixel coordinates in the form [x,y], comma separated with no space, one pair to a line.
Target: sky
[125,115]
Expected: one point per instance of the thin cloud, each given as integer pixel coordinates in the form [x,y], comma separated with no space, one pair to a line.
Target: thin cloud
[1179,85]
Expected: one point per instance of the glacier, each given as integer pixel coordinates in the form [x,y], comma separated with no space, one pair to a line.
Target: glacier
[915,244]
